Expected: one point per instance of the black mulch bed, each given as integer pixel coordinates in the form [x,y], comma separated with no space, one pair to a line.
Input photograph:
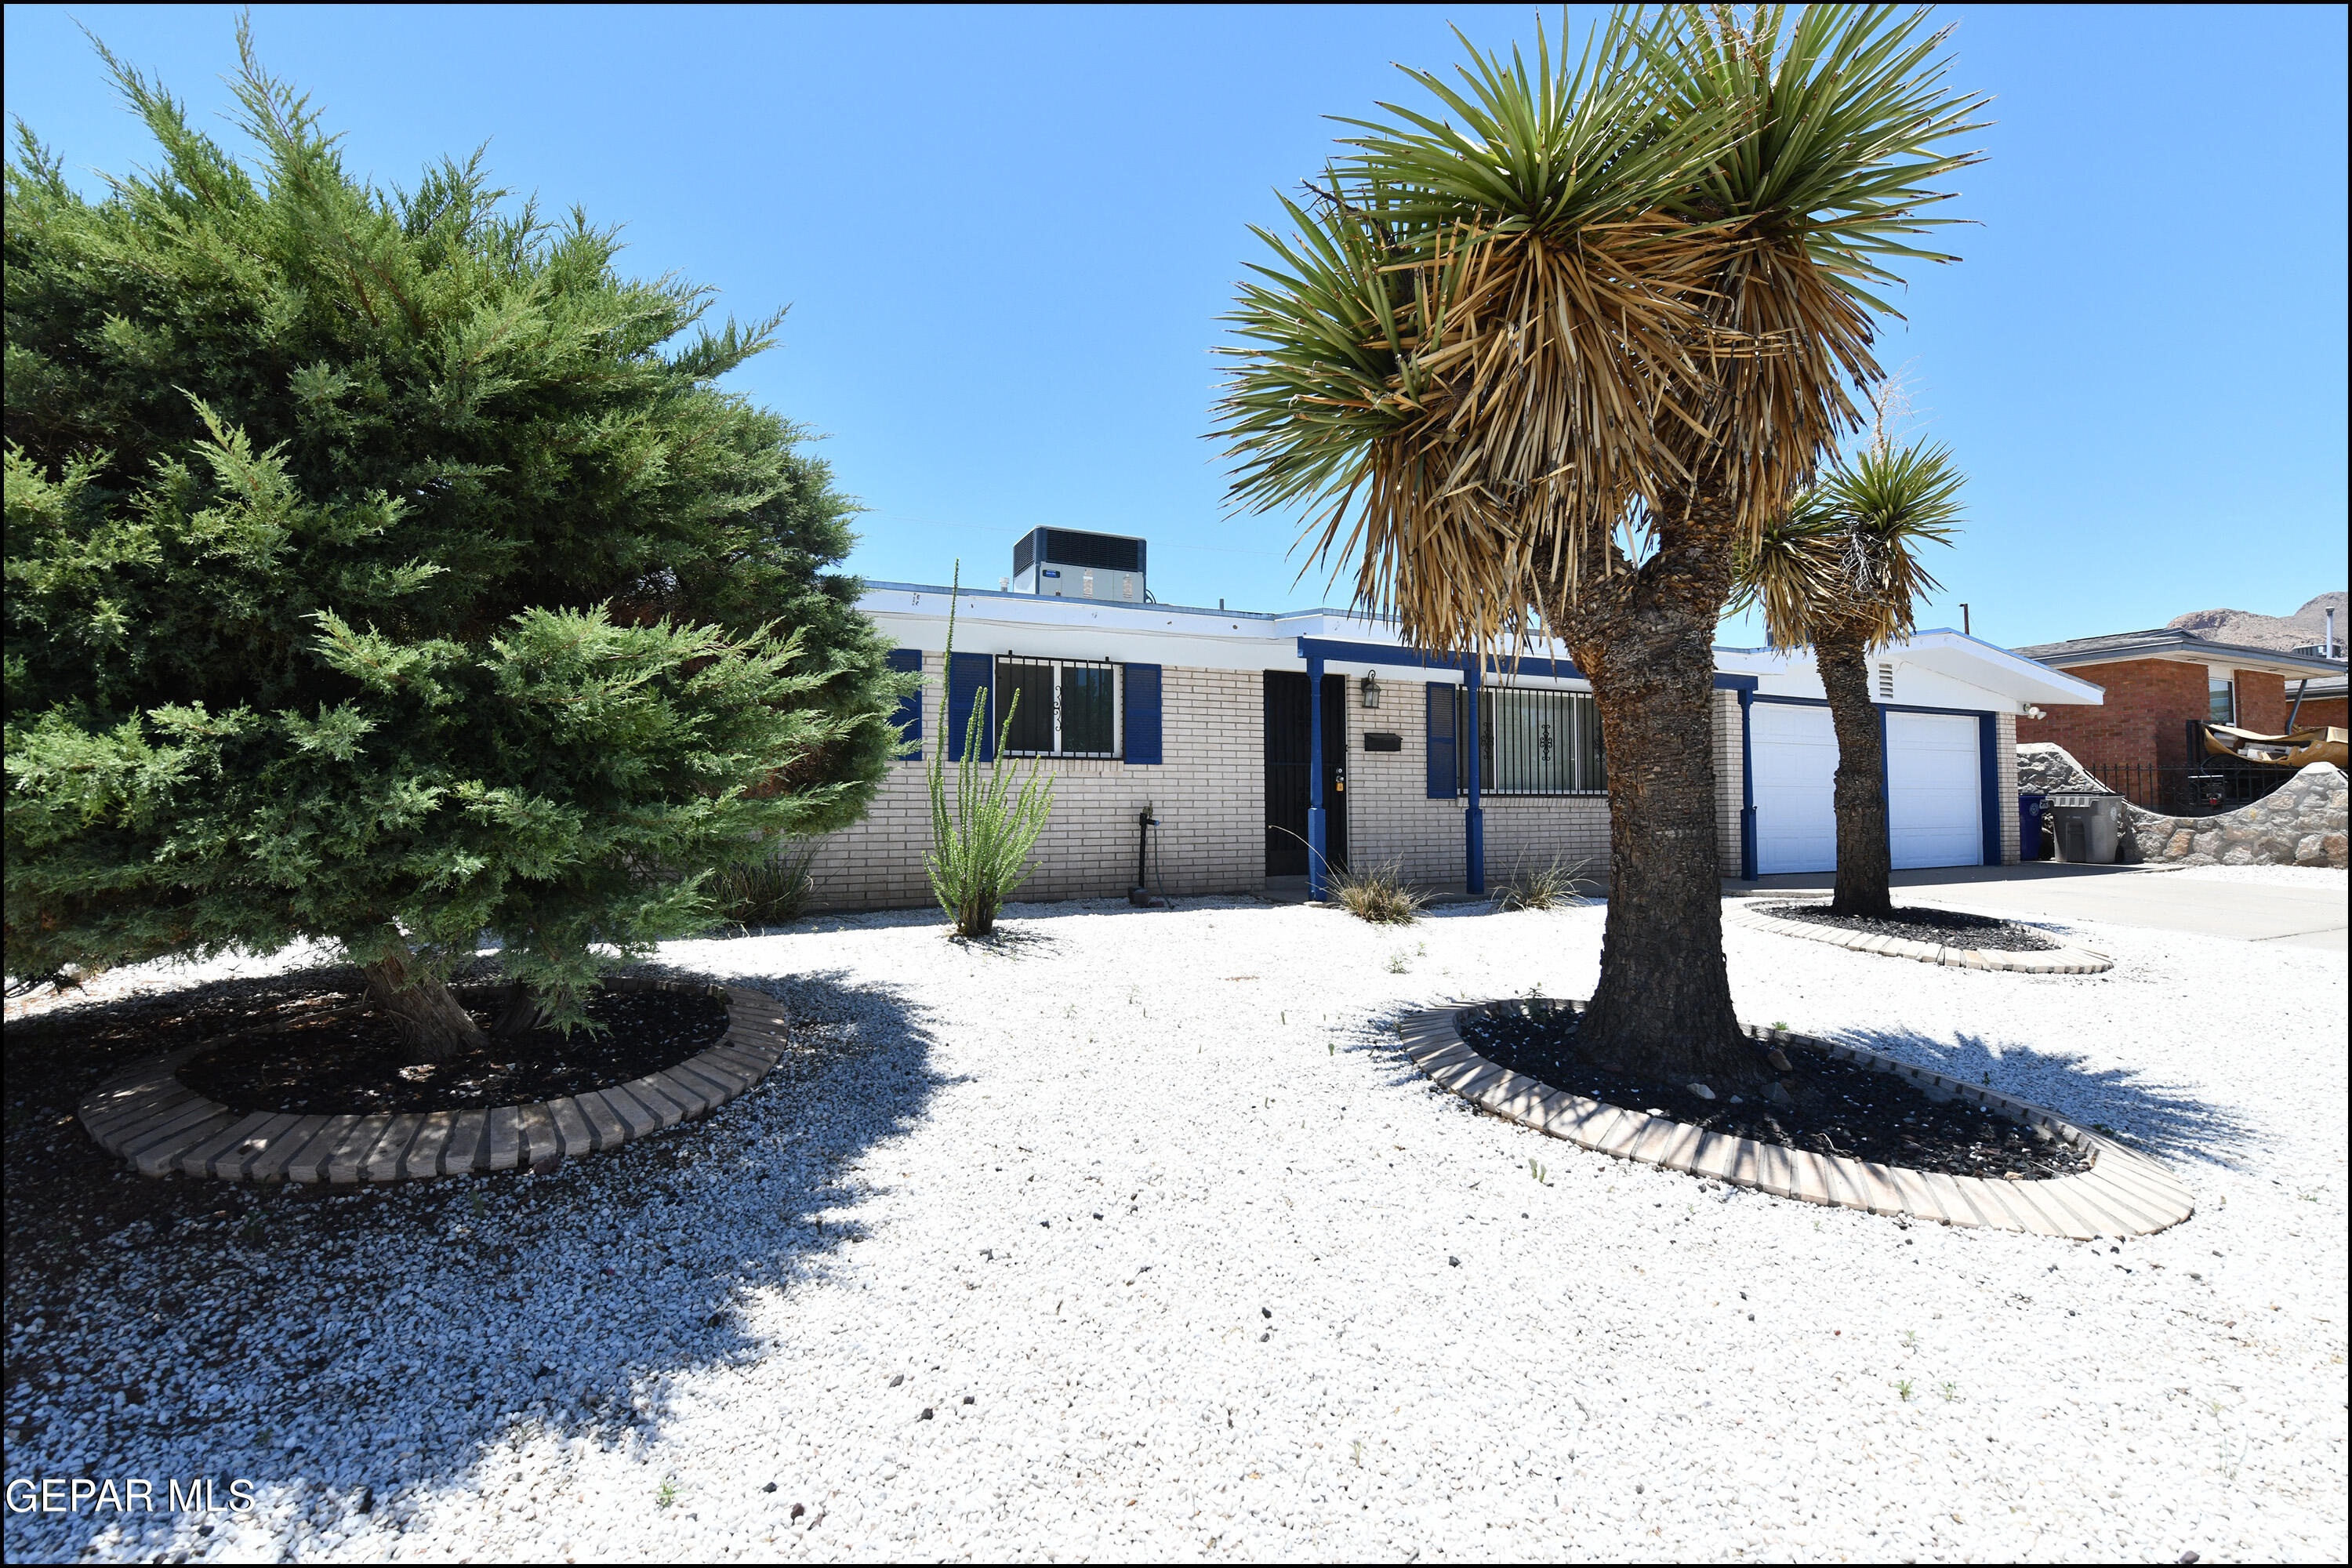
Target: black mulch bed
[1838,1107]
[1915,924]
[355,1064]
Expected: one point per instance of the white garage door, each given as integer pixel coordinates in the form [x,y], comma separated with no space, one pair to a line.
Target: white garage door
[1934,799]
[1794,753]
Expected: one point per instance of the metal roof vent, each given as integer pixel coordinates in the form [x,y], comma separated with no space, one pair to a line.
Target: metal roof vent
[1886,683]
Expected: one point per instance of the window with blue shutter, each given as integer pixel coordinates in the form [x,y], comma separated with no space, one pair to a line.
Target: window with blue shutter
[1140,699]
[1442,699]
[969,676]
[910,716]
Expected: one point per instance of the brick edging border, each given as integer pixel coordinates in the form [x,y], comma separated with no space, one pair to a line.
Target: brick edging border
[2050,961]
[2122,1192]
[146,1116]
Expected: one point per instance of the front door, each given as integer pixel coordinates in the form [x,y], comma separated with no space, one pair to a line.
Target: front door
[1286,752]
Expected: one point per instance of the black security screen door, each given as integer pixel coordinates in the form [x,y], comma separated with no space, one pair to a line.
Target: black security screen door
[1286,744]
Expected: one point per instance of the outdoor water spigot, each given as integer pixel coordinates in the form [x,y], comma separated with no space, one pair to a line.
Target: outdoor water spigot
[1144,822]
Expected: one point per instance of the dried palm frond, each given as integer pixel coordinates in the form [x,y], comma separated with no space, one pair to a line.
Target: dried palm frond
[1443,358]
[1845,116]
[1501,334]
[1791,569]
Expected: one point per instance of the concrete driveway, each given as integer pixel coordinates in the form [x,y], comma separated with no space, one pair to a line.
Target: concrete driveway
[2121,895]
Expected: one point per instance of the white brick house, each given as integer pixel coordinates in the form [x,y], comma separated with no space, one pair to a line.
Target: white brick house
[1198,717]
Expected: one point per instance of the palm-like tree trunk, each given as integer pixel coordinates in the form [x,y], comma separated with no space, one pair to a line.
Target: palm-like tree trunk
[1863,863]
[1645,636]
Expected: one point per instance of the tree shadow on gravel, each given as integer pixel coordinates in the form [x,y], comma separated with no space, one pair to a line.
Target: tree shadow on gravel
[1379,1037]
[2165,1120]
[1007,942]
[349,1349]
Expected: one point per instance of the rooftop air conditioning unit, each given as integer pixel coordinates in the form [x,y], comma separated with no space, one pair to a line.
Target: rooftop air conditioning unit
[1063,563]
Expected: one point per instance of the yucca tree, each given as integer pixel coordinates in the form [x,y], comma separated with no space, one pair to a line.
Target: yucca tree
[1837,571]
[1548,355]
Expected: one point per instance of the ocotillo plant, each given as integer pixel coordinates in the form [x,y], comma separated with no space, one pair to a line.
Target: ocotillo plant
[979,852]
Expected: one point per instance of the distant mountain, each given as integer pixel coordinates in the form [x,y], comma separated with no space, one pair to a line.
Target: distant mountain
[2247,629]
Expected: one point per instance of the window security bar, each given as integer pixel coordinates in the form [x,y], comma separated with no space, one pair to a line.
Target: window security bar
[1534,741]
[1067,706]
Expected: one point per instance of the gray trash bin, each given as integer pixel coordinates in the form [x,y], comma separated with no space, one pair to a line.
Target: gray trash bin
[2086,826]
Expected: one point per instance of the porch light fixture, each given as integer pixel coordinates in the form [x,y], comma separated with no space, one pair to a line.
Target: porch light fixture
[1372,689]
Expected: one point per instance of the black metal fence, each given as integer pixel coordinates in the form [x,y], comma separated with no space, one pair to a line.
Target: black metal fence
[2200,791]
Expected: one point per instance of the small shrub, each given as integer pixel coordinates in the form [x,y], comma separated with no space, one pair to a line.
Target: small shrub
[770,889]
[1549,886]
[1377,895]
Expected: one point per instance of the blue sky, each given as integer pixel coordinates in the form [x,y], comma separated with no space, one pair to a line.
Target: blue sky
[1006,237]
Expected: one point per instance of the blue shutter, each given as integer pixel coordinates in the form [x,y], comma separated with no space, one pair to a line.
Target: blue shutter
[970,674]
[1140,699]
[1441,728]
[910,716]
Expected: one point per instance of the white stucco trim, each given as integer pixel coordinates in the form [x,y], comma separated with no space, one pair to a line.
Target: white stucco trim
[1939,669]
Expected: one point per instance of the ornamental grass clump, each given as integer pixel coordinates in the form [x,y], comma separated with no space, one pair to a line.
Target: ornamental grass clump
[1552,886]
[980,851]
[1379,894]
[769,890]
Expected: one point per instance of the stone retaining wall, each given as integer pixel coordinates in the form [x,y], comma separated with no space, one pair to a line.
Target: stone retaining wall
[2302,824]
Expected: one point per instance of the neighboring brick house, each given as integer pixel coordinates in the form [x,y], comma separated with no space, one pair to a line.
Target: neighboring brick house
[2322,699]
[1204,719]
[2157,682]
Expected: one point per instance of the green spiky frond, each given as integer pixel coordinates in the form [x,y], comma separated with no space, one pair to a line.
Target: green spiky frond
[1506,326]
[1842,561]
[1840,112]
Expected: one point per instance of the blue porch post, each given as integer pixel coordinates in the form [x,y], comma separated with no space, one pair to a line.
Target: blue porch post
[1885,811]
[1314,867]
[1747,783]
[1474,818]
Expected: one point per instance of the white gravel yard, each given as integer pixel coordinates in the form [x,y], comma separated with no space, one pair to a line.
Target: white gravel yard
[1148,1214]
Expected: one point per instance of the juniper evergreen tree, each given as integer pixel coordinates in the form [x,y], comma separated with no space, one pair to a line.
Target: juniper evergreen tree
[384,568]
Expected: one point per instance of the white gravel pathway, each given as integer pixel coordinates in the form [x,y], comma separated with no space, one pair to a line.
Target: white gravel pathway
[1184,1260]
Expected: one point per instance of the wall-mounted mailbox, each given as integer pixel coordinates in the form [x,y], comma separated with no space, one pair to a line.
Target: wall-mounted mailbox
[1381,740]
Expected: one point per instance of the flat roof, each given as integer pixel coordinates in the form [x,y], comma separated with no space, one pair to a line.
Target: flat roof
[1100,603]
[2322,687]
